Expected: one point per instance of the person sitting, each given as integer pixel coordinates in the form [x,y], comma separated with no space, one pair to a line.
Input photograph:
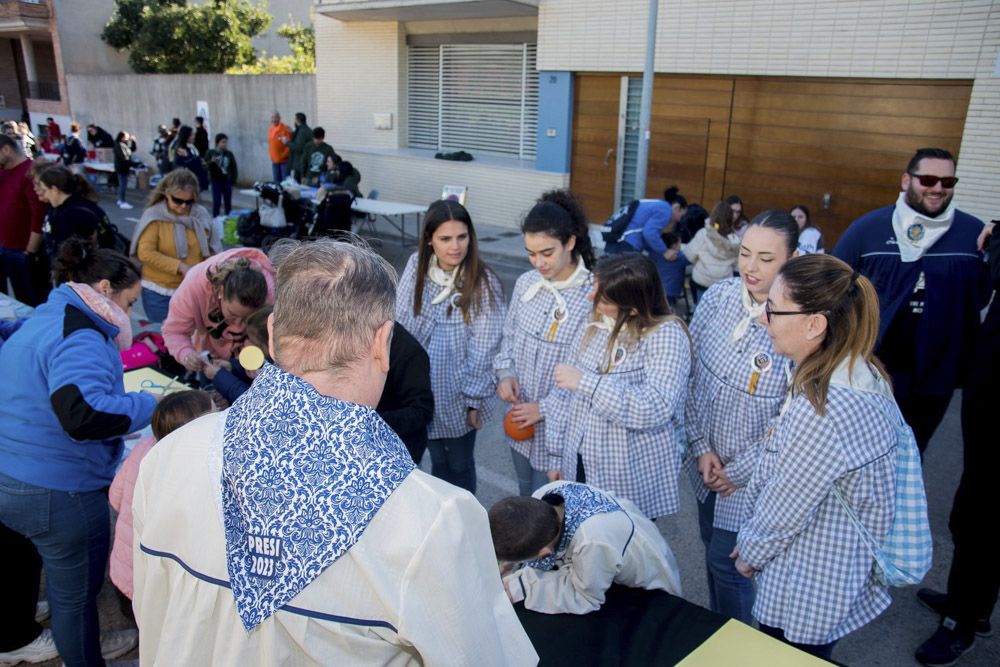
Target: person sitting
[294,528]
[572,542]
[316,156]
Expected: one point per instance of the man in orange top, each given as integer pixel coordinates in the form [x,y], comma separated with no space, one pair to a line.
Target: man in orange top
[277,144]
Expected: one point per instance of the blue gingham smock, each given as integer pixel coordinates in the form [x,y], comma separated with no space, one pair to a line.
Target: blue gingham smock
[721,415]
[816,578]
[624,424]
[461,354]
[527,354]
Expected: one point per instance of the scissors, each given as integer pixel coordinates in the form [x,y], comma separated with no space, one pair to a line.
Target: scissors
[150,386]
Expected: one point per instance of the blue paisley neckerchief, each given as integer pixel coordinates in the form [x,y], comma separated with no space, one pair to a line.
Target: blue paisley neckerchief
[302,477]
[580,502]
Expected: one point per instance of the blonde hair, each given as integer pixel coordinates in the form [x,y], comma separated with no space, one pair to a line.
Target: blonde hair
[178,179]
[825,285]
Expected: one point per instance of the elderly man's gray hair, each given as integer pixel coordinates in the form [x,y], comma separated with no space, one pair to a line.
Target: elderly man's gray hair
[330,299]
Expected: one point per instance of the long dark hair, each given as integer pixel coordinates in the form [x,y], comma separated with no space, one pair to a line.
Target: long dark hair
[782,223]
[631,282]
[558,214]
[474,283]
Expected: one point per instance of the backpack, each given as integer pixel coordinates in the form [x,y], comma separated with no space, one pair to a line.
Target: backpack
[613,230]
[904,557]
[109,237]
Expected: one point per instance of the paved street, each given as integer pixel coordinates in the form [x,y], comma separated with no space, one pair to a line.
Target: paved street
[888,641]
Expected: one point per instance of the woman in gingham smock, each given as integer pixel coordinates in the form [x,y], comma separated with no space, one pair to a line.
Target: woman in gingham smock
[620,406]
[547,310]
[453,304]
[814,573]
[738,386]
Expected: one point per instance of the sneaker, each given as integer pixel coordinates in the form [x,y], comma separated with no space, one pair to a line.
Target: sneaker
[40,650]
[936,602]
[42,611]
[124,204]
[945,646]
[116,643]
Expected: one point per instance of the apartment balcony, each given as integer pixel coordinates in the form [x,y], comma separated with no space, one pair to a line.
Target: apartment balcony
[18,16]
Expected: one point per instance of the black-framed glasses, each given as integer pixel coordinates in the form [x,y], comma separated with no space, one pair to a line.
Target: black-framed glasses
[930,180]
[181,202]
[771,313]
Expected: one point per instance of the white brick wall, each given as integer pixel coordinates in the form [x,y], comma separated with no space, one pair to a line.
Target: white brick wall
[497,195]
[876,38]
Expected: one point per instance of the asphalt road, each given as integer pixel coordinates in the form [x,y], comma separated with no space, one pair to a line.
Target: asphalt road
[888,641]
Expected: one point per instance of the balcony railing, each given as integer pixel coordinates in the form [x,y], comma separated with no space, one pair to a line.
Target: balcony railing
[43,90]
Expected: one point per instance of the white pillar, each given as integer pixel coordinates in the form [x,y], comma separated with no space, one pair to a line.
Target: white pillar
[28,53]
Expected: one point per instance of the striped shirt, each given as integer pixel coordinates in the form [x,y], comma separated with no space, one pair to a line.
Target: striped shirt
[625,423]
[461,354]
[728,409]
[528,354]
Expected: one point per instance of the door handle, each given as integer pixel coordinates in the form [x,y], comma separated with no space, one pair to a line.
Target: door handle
[607,156]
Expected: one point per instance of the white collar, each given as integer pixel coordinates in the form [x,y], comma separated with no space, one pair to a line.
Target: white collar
[916,232]
[445,279]
[580,276]
[751,311]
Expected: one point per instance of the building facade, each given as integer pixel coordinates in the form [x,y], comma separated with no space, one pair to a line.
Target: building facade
[783,102]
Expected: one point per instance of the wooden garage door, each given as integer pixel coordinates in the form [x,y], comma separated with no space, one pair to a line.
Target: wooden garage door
[796,140]
[774,141]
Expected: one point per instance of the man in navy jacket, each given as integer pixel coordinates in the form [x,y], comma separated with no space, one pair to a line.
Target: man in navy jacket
[921,255]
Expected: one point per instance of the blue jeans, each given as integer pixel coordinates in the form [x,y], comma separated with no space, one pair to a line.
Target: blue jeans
[222,192]
[454,461]
[122,186]
[155,305]
[528,479]
[280,171]
[72,534]
[729,593]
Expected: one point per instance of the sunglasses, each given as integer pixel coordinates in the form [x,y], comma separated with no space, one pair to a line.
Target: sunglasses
[181,202]
[929,180]
[771,313]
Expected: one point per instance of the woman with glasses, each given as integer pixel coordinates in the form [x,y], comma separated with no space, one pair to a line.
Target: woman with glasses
[738,386]
[208,313]
[830,453]
[174,234]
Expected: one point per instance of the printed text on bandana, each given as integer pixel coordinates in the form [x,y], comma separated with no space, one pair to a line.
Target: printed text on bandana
[264,554]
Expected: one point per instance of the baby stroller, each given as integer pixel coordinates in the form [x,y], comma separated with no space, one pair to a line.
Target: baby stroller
[277,216]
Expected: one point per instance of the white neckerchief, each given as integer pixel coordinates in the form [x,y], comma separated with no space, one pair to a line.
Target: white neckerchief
[751,312]
[915,232]
[442,278]
[606,323]
[860,376]
[579,277]
[618,351]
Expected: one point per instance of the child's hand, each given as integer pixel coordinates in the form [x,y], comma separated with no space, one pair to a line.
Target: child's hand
[194,361]
[568,377]
[509,390]
[526,414]
[212,369]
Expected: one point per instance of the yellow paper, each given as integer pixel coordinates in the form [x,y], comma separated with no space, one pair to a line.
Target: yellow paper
[134,382]
[738,644]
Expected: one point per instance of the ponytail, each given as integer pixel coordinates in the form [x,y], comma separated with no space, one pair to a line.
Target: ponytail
[80,262]
[558,214]
[63,179]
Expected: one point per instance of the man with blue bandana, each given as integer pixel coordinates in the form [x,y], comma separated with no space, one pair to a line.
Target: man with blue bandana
[293,528]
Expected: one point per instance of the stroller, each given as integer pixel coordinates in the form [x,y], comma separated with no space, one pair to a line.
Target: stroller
[277,216]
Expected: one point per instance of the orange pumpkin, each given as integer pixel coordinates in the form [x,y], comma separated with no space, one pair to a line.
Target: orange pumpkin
[516,431]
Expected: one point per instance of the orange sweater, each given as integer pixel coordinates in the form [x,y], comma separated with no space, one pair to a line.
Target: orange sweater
[277,149]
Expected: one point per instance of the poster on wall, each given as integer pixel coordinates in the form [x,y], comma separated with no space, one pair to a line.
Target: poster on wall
[201,109]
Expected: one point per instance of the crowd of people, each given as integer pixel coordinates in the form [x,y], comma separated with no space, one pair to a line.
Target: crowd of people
[790,402]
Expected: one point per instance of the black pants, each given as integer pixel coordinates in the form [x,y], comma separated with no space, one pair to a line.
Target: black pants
[974,579]
[923,413]
[23,568]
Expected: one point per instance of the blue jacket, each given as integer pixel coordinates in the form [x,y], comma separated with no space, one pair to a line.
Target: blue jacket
[955,291]
[62,420]
[645,227]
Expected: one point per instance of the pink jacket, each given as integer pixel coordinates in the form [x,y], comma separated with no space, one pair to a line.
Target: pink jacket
[187,324]
[120,496]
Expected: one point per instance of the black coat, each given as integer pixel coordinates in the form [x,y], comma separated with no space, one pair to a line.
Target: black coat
[101,138]
[201,140]
[407,403]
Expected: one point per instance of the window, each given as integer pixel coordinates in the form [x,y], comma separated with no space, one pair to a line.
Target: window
[474,97]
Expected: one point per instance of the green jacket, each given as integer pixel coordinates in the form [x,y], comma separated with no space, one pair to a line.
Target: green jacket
[222,165]
[298,147]
[314,164]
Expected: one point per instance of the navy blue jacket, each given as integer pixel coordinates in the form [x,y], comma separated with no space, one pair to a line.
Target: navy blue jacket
[63,405]
[956,289]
